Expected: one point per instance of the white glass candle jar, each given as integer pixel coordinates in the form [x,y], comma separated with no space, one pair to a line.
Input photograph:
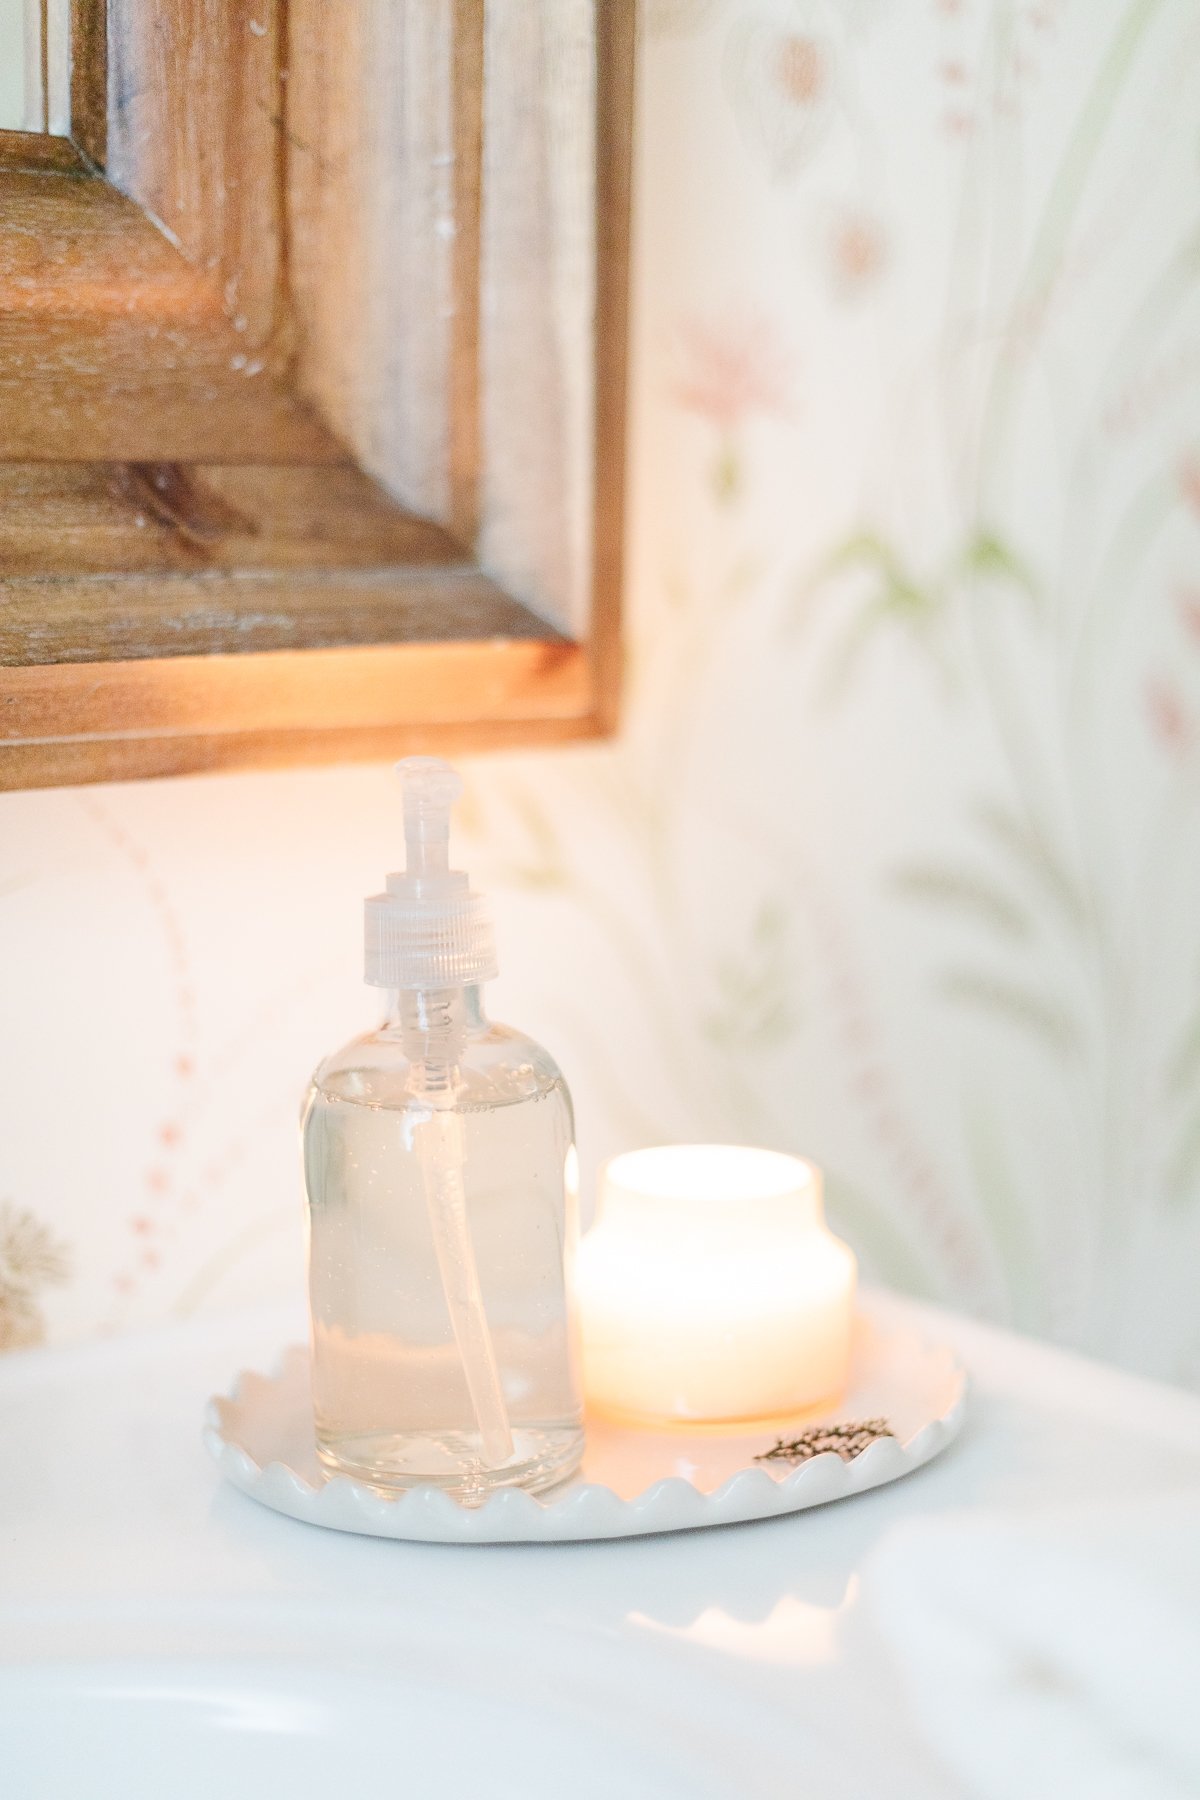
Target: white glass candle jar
[710,1289]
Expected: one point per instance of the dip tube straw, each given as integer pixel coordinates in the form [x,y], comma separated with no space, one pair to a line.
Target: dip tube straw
[441,1149]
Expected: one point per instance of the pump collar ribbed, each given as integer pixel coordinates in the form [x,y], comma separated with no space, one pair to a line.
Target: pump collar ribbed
[413,945]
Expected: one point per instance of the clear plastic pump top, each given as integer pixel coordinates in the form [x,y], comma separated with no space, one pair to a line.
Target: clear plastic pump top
[429,930]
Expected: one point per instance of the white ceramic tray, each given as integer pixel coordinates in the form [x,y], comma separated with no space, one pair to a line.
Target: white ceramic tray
[631,1482]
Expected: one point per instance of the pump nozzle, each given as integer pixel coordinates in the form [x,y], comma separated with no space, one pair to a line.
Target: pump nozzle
[429,930]
[431,787]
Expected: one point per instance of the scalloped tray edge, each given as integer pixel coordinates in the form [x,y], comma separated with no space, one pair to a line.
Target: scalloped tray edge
[580,1509]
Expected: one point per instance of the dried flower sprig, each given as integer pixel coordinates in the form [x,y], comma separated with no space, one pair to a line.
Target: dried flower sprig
[31,1258]
[847,1440]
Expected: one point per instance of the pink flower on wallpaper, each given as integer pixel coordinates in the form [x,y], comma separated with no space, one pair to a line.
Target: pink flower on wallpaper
[801,69]
[782,82]
[857,250]
[1189,611]
[1189,480]
[1171,720]
[732,368]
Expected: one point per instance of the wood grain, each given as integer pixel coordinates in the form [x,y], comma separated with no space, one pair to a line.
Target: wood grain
[143,718]
[62,762]
[33,153]
[114,347]
[44,59]
[616,23]
[538,272]
[463,438]
[94,620]
[69,519]
[220,368]
[196,118]
[110,562]
[292,690]
[89,78]
[375,241]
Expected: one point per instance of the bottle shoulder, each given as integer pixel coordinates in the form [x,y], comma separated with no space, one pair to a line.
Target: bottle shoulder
[496,1066]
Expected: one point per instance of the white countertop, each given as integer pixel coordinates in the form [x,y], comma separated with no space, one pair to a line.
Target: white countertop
[1019,1609]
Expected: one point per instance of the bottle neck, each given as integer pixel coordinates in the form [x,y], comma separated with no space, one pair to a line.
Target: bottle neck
[436,1015]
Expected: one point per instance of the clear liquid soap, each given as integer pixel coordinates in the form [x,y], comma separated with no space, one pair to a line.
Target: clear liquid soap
[439,1164]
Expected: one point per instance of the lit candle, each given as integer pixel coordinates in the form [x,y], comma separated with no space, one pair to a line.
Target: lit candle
[710,1289]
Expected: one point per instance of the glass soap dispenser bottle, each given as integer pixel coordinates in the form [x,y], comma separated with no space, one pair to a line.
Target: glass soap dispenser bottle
[440,1167]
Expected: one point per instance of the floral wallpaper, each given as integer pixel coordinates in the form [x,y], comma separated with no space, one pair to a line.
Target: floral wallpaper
[896,860]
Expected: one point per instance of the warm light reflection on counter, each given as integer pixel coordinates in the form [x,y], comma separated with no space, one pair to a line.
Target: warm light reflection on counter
[794,1635]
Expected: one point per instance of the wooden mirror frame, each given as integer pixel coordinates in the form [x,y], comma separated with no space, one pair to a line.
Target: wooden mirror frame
[200,566]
